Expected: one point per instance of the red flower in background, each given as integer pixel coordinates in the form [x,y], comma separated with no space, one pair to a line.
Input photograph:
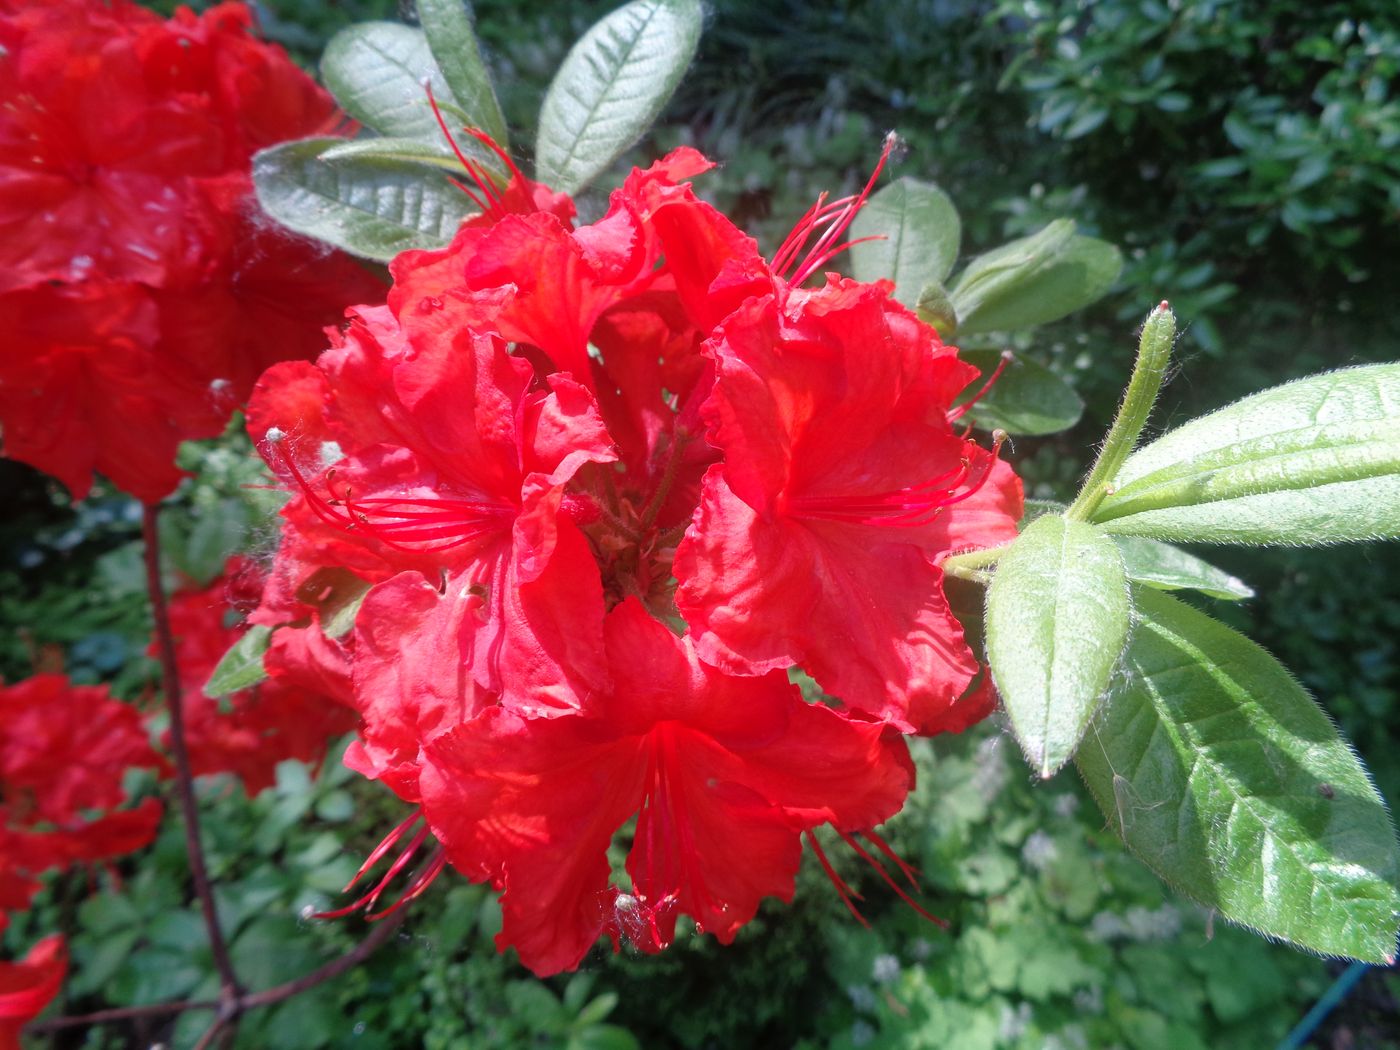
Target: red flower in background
[251,731]
[27,986]
[64,750]
[145,291]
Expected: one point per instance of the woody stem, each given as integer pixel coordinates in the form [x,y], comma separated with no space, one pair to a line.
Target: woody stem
[229,991]
[382,932]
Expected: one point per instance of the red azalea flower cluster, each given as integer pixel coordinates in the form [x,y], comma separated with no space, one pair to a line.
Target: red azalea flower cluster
[604,485]
[63,752]
[140,293]
[26,987]
[251,731]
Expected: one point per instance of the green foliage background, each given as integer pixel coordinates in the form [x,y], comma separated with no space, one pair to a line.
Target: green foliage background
[1244,156]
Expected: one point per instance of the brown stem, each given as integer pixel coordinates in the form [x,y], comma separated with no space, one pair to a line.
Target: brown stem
[229,989]
[382,932]
[246,1001]
[123,1013]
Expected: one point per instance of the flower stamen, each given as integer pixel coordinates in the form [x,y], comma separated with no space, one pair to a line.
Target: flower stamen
[410,525]
[910,507]
[836,217]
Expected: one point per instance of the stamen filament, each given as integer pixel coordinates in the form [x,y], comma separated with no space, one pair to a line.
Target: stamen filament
[848,895]
[955,414]
[889,881]
[837,217]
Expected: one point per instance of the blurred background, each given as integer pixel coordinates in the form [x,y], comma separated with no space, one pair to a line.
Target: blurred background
[1246,158]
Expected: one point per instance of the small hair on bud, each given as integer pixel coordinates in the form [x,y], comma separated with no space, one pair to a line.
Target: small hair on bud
[274,434]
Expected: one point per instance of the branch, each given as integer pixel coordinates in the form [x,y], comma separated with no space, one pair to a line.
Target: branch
[229,990]
[382,932]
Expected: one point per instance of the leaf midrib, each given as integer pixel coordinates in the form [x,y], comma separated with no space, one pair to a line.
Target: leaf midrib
[652,10]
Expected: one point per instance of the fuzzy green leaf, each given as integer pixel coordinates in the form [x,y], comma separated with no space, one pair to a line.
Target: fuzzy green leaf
[1230,783]
[374,209]
[398,151]
[920,233]
[612,86]
[1169,568]
[1034,280]
[1057,618]
[1312,461]
[448,28]
[242,666]
[1026,399]
[376,71]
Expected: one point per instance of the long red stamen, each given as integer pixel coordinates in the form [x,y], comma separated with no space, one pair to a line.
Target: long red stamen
[848,895]
[417,884]
[910,507]
[430,525]
[415,889]
[836,217]
[909,872]
[494,204]
[888,880]
[955,414]
[384,847]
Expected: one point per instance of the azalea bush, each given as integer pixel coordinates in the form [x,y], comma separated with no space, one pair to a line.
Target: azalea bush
[640,560]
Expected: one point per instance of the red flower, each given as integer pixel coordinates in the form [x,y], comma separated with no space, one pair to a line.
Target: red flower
[145,292]
[251,731]
[443,458]
[64,750]
[724,773]
[518,441]
[26,987]
[817,538]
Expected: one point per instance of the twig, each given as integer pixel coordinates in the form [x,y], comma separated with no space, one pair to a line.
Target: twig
[233,1002]
[229,990]
[122,1013]
[227,1019]
[244,1002]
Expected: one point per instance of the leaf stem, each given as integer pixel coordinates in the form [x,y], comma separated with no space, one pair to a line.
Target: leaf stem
[965,566]
[1154,352]
[229,990]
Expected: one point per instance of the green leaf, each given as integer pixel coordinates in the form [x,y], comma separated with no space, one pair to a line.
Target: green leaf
[1027,398]
[613,84]
[1169,568]
[1230,783]
[921,233]
[242,665]
[935,308]
[399,151]
[217,532]
[374,209]
[449,30]
[376,71]
[1057,618]
[1034,280]
[1312,461]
